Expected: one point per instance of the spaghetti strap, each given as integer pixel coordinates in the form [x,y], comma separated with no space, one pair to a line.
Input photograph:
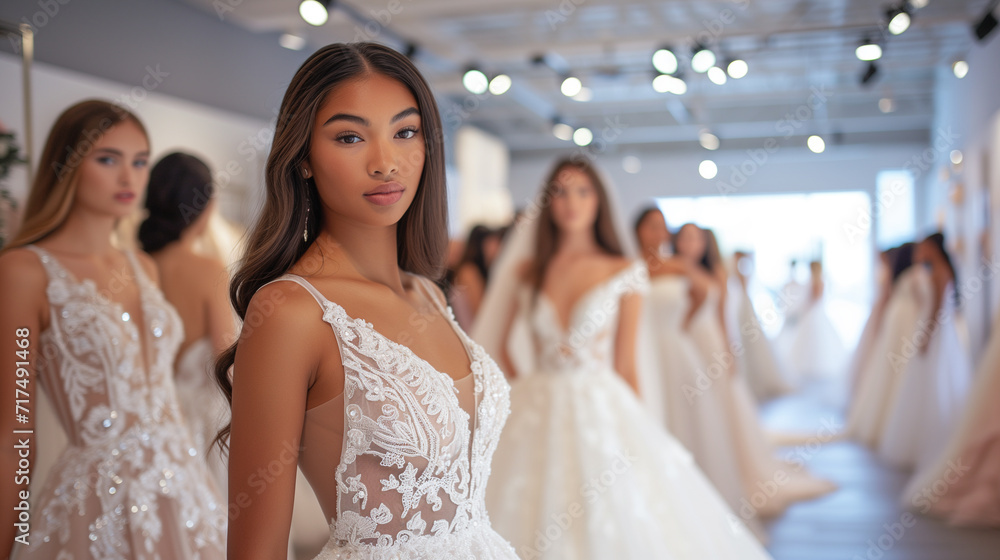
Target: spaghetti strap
[322,301]
[431,294]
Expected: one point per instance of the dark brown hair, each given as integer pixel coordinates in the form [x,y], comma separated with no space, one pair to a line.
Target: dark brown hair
[275,242]
[70,141]
[180,187]
[548,232]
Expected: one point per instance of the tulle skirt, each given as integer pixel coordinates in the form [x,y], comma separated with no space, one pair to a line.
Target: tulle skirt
[812,348]
[583,472]
[926,406]
[963,483]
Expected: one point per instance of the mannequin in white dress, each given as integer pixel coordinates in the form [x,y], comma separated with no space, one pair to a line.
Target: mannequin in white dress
[349,365]
[582,470]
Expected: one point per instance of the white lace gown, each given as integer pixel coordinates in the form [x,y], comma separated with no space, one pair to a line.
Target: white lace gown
[931,391]
[130,483]
[409,480]
[203,404]
[879,375]
[583,472]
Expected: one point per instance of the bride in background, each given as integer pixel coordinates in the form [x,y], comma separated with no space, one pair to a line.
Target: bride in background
[932,367]
[769,485]
[698,418]
[582,470]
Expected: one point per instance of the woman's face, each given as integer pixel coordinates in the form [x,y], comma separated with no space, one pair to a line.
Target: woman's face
[367,151]
[691,242]
[113,176]
[574,201]
[652,231]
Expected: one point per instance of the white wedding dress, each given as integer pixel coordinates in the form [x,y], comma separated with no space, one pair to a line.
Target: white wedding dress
[129,484]
[770,485]
[765,373]
[970,463]
[582,470]
[930,393]
[408,481]
[697,413]
[879,375]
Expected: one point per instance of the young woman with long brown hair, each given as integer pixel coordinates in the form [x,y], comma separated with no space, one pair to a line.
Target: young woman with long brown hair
[582,470]
[370,391]
[95,333]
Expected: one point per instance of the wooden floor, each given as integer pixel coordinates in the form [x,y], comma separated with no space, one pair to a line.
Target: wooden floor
[862,520]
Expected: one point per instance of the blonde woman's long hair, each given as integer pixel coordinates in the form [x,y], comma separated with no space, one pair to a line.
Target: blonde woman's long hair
[70,141]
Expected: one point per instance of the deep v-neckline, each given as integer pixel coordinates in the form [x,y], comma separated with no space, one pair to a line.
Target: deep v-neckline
[116,307]
[476,358]
[565,328]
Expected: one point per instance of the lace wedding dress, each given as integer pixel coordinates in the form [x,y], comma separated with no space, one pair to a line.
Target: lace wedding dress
[130,484]
[582,471]
[408,479]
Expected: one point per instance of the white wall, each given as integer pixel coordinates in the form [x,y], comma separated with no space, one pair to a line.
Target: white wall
[965,200]
[234,146]
[784,170]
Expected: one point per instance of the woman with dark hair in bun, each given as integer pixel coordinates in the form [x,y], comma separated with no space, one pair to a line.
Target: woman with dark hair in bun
[180,203]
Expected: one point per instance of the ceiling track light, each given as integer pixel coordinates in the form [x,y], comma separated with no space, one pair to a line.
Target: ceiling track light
[737,68]
[869,74]
[868,50]
[475,80]
[665,61]
[899,18]
[315,12]
[986,24]
[702,58]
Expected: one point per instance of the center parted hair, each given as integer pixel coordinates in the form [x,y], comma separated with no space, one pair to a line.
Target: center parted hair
[547,241]
[275,241]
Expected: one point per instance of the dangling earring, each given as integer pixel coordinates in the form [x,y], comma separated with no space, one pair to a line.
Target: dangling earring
[305,230]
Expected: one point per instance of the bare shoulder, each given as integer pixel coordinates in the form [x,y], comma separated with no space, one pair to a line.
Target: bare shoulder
[614,264]
[20,269]
[280,305]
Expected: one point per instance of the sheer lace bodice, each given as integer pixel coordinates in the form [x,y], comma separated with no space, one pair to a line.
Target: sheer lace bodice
[588,342]
[130,483]
[413,462]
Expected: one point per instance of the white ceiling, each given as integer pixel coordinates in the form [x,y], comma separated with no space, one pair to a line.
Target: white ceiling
[794,48]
